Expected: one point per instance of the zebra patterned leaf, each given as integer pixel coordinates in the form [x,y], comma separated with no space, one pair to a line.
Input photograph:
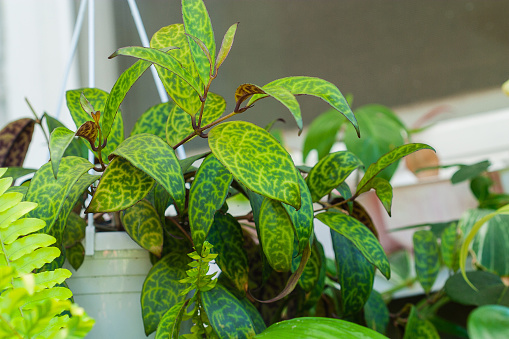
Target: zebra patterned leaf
[14,141]
[207,195]
[161,289]
[60,138]
[169,325]
[316,87]
[226,236]
[178,89]
[376,313]
[197,23]
[488,322]
[226,314]
[276,233]
[311,274]
[88,131]
[383,191]
[110,196]
[417,327]
[286,97]
[427,258]
[361,237]
[153,120]
[356,274]
[256,160]
[156,158]
[143,225]
[226,45]
[256,318]
[330,172]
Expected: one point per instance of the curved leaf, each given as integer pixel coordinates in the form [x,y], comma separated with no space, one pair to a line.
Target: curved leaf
[153,120]
[311,274]
[321,134]
[383,191]
[256,318]
[76,148]
[74,230]
[75,255]
[256,160]
[169,325]
[15,138]
[470,171]
[427,258]
[489,322]
[360,236]
[60,138]
[419,328]
[450,242]
[489,289]
[376,313]
[226,45]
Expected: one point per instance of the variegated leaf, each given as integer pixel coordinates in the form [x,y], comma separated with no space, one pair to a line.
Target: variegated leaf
[76,148]
[256,318]
[169,326]
[14,141]
[311,274]
[427,258]
[226,45]
[75,255]
[450,243]
[60,138]
[418,327]
[383,191]
[376,313]
[88,131]
[153,120]
[321,134]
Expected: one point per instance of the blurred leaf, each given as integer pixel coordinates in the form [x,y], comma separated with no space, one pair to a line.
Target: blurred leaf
[74,230]
[400,266]
[383,191]
[419,328]
[470,171]
[321,134]
[376,313]
[60,138]
[15,138]
[490,289]
[427,258]
[489,322]
[153,120]
[18,172]
[450,243]
[75,255]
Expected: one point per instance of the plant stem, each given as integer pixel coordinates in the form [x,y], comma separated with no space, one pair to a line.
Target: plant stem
[182,230]
[37,120]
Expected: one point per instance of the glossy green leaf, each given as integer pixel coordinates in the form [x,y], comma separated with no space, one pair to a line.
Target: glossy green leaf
[489,289]
[321,134]
[427,258]
[360,236]
[226,45]
[156,158]
[356,274]
[489,322]
[143,225]
[470,171]
[170,322]
[276,233]
[75,255]
[153,120]
[197,23]
[161,289]
[376,313]
[74,230]
[317,327]
[330,172]
[51,193]
[110,196]
[383,191]
[311,273]
[450,243]
[316,87]
[15,138]
[226,314]
[207,195]
[302,219]
[256,160]
[256,318]
[76,148]
[60,138]
[388,159]
[419,328]
[178,89]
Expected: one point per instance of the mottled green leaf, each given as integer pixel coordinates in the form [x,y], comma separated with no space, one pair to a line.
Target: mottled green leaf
[153,120]
[256,160]
[226,236]
[489,322]
[178,89]
[356,274]
[318,327]
[376,313]
[468,172]
[207,195]
[169,325]
[185,164]
[450,243]
[110,196]
[15,138]
[74,230]
[256,318]
[226,314]
[311,273]
[143,225]
[60,138]
[276,233]
[18,172]
[161,289]
[51,193]
[360,236]
[383,191]
[417,327]
[226,45]
[388,159]
[76,148]
[321,134]
[156,158]
[75,255]
[427,258]
[315,87]
[489,289]
[197,23]
[330,172]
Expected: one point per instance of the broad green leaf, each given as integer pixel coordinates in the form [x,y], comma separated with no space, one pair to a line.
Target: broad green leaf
[18,172]
[256,160]
[51,193]
[197,23]
[169,325]
[311,274]
[186,163]
[330,172]
[302,219]
[162,59]
[18,189]
[276,233]
[400,266]
[156,158]
[178,89]
[489,322]
[427,258]
[489,289]
[383,191]
[20,227]
[75,255]
[381,133]
[318,327]
[15,138]
[376,313]
[110,196]
[60,138]
[161,289]
[228,240]
[153,120]
[226,45]
[360,236]
[143,225]
[76,148]
[321,134]
[226,314]
[207,195]
[450,243]
[316,87]
[256,318]
[119,91]
[388,159]
[468,172]
[419,328]
[74,230]
[215,106]
[356,274]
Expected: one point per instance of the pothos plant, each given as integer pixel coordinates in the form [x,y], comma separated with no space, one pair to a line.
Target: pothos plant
[272,266]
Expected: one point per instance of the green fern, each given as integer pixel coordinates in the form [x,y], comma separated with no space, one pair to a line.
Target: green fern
[32,305]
